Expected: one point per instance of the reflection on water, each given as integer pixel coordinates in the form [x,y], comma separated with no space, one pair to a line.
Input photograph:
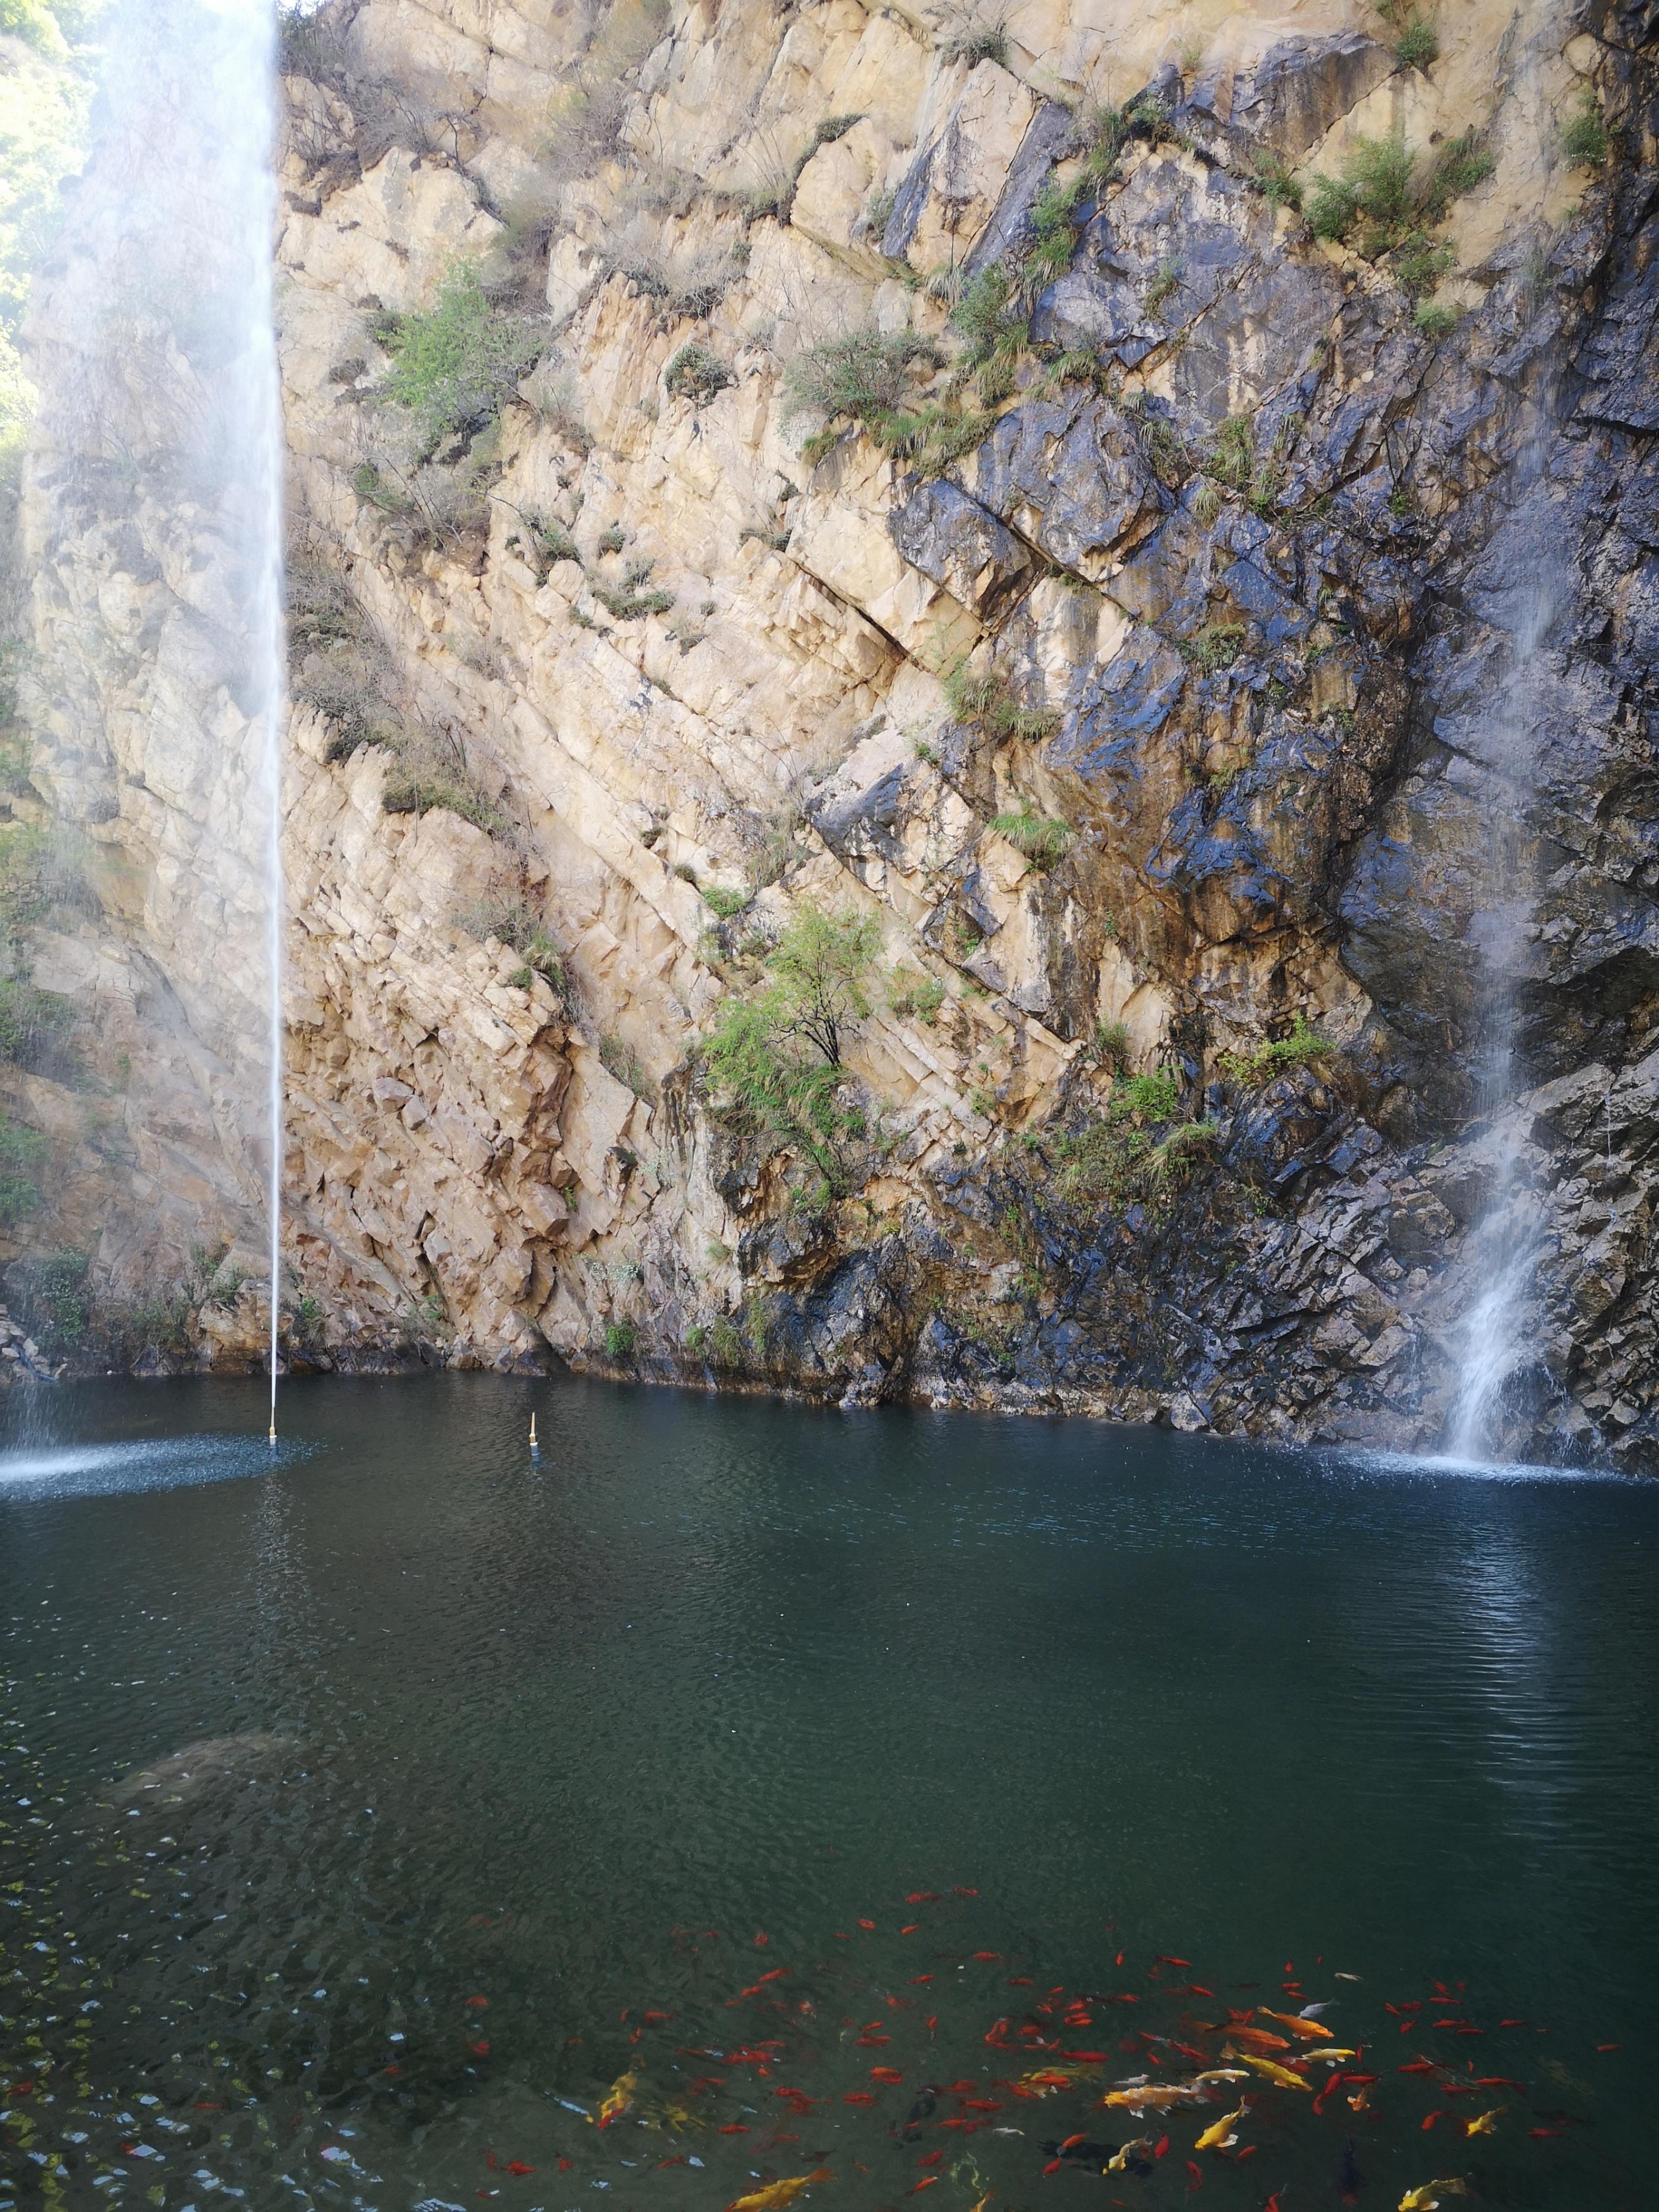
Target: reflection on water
[376,1816]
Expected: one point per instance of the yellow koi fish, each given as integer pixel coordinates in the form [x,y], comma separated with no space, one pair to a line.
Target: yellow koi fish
[1138,2148]
[1161,2095]
[1424,2200]
[1270,2072]
[776,2194]
[1223,2073]
[1332,2058]
[1487,2123]
[1308,2030]
[617,2098]
[1214,2138]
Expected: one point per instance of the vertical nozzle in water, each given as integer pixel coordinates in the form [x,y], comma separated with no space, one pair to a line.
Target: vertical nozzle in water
[534,1446]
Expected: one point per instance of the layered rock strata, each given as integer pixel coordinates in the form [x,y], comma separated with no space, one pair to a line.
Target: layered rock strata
[1233,559]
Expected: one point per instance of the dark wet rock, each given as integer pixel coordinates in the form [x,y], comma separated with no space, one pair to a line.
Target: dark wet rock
[1618,361]
[1071,475]
[1302,86]
[953,539]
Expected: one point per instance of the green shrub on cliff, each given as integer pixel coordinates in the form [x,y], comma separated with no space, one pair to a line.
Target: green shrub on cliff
[456,364]
[1301,1045]
[776,1050]
[1584,137]
[32,1025]
[22,1163]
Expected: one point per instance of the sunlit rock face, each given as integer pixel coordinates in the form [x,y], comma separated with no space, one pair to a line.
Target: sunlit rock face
[1218,590]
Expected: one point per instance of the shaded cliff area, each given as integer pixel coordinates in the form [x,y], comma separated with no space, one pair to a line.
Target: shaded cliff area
[895,624]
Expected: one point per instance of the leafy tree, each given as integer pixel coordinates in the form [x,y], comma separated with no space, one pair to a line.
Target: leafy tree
[777,1050]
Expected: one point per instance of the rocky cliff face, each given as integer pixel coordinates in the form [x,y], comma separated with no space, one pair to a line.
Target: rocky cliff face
[1132,662]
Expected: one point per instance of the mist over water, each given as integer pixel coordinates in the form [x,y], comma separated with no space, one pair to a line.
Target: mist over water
[160,431]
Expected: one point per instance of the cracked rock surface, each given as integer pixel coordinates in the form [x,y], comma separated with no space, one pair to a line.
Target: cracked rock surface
[1248,589]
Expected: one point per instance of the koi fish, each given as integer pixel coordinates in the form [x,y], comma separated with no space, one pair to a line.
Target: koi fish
[1132,2158]
[618,2099]
[1160,2094]
[1080,2153]
[1341,1976]
[1423,2199]
[1261,2038]
[1486,2125]
[1269,2071]
[1299,2024]
[1214,2138]
[1331,2057]
[776,2194]
[1232,2073]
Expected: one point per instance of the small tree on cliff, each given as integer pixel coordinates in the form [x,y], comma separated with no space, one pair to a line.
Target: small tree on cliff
[776,1050]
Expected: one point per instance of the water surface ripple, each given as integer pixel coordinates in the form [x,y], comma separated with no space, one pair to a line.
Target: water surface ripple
[369,1811]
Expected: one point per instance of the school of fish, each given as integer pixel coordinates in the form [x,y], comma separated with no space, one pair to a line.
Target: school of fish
[842,2071]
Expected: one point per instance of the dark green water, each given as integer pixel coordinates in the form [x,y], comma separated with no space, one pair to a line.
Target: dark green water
[531,1752]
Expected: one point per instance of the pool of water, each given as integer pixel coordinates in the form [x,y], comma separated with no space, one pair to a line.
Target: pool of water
[857,1797]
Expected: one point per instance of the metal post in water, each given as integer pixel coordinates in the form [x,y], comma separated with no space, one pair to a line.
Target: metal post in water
[534,1446]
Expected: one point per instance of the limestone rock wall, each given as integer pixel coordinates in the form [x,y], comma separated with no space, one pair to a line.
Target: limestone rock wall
[1256,699]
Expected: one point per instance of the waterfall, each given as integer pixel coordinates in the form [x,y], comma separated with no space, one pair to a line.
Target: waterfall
[158,453]
[1501,1258]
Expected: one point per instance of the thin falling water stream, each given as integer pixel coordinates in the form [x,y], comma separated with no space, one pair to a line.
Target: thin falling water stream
[161,410]
[1507,1242]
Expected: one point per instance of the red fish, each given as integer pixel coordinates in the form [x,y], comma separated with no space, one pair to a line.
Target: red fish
[911,1930]
[858,2097]
[885,2074]
[517,2166]
[923,1897]
[479,2050]
[960,1892]
[1418,2066]
[1198,1989]
[762,1940]
[867,1923]
[1165,1960]
[1542,2135]
[1053,2165]
[737,2127]
[920,2186]
[985,1954]
[482,2002]
[915,1979]
[656,2018]
[932,2158]
[1196,2172]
